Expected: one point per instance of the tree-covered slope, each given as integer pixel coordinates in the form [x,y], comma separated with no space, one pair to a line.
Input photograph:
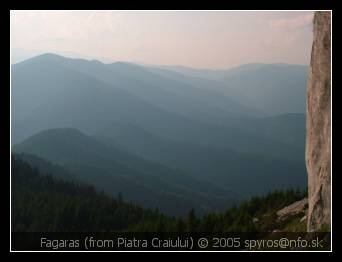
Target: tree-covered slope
[41,203]
[113,170]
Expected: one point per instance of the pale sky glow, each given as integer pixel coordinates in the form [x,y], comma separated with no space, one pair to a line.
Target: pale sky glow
[200,39]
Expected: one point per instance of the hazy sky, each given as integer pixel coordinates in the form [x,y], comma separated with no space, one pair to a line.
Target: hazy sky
[201,39]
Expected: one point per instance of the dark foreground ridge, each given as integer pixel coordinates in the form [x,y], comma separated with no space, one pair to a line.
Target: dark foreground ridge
[72,215]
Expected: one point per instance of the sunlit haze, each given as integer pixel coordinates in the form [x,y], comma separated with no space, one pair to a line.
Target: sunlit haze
[199,39]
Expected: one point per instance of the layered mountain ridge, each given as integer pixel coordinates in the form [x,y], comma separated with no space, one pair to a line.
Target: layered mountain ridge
[187,136]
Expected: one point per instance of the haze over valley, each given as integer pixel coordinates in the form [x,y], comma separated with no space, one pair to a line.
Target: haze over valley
[163,137]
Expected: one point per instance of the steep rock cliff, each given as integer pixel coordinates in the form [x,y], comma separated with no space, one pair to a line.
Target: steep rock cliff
[318,139]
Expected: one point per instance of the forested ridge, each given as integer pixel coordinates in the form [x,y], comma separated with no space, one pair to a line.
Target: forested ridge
[42,202]
[136,129]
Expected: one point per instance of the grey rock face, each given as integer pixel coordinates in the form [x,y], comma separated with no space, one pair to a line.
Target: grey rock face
[318,139]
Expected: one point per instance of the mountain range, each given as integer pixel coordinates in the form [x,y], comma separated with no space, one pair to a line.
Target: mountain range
[166,137]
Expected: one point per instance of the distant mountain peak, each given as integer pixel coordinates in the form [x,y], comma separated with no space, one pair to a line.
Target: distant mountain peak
[47,56]
[51,57]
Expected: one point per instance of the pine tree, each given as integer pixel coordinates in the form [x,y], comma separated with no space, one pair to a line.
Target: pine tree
[192,221]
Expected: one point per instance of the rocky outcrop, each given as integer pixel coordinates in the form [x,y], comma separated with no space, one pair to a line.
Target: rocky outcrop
[318,138]
[295,208]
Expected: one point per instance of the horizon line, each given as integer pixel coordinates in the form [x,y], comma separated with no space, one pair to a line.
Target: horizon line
[145,64]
